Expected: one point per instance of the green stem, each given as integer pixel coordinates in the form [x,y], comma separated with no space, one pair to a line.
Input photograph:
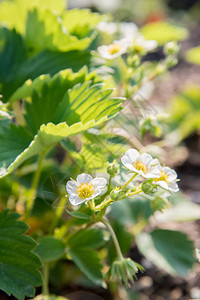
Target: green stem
[36,177]
[45,286]
[59,212]
[129,181]
[134,193]
[103,204]
[115,240]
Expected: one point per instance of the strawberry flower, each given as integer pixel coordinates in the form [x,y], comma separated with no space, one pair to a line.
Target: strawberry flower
[142,164]
[84,188]
[167,179]
[116,49]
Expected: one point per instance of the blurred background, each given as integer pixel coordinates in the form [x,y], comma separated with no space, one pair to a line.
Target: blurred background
[177,92]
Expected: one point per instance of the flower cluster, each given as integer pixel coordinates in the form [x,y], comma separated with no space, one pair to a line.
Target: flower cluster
[86,188]
[130,38]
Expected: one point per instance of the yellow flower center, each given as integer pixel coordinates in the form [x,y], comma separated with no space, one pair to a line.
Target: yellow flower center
[163,177]
[85,190]
[138,48]
[114,48]
[140,166]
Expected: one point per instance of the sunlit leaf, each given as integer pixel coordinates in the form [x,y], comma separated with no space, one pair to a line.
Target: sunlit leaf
[80,22]
[16,67]
[164,32]
[193,55]
[14,12]
[57,104]
[45,30]
[185,111]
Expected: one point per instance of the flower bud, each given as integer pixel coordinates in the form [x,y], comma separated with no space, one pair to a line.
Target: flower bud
[113,168]
[124,271]
[133,61]
[116,194]
[147,187]
[171,48]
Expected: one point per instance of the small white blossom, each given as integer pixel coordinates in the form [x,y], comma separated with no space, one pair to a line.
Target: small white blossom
[116,49]
[141,45]
[107,27]
[167,179]
[84,188]
[128,30]
[142,164]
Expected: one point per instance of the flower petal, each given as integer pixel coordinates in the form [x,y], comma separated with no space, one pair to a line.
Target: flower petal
[146,159]
[163,184]
[126,161]
[171,173]
[99,182]
[83,178]
[75,199]
[132,155]
[71,186]
[173,187]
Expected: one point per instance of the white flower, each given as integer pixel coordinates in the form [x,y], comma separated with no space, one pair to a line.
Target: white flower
[140,44]
[142,164]
[84,188]
[107,27]
[128,30]
[116,49]
[167,179]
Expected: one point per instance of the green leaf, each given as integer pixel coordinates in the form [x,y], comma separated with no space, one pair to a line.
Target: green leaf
[48,136]
[164,32]
[14,13]
[56,104]
[78,215]
[185,111]
[45,30]
[50,249]
[81,248]
[16,67]
[131,211]
[169,250]
[92,238]
[89,263]
[80,22]
[12,55]
[193,55]
[184,211]
[66,79]
[18,264]
[97,149]
[13,140]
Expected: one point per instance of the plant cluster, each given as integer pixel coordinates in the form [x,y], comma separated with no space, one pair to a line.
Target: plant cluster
[65,76]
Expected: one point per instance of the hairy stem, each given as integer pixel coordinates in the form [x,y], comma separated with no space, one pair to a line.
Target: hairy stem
[129,181]
[115,240]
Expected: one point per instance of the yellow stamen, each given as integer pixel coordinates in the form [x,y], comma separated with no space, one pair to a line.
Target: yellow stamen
[114,48]
[138,48]
[85,190]
[140,166]
[163,177]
